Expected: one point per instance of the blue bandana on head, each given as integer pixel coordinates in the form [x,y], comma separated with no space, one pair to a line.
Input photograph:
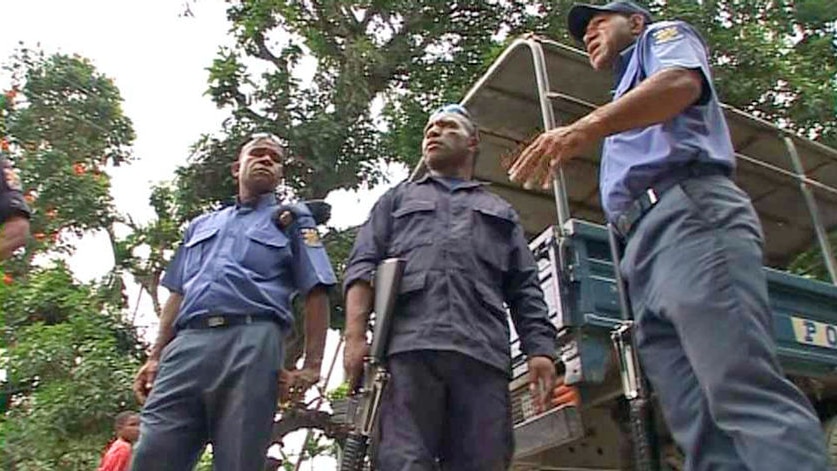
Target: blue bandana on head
[455,108]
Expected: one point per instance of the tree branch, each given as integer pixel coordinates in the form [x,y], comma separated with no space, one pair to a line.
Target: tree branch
[298,419]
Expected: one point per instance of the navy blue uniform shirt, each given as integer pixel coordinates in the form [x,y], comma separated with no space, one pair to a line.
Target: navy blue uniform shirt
[236,261]
[467,259]
[632,161]
[11,195]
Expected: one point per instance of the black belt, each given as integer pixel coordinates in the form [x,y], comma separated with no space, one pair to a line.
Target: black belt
[626,221]
[212,321]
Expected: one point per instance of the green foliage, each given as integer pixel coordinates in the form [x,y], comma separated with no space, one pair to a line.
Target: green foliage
[68,353]
[69,363]
[380,67]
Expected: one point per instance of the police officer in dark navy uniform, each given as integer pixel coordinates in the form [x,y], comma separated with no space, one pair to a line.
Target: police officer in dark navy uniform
[14,212]
[693,256]
[214,372]
[447,403]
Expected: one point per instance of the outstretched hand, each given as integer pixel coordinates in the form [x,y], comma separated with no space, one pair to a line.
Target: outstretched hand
[538,162]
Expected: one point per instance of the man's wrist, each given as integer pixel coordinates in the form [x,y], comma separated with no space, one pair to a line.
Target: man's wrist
[312,364]
[593,126]
[355,331]
[354,335]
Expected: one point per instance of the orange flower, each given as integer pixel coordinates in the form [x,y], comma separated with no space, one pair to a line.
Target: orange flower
[56,237]
[8,279]
[78,168]
[4,145]
[39,236]
[11,94]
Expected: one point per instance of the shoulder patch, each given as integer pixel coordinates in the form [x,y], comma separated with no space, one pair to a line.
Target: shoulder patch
[310,237]
[667,35]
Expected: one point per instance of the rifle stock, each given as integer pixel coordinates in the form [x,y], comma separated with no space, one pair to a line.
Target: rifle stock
[364,414]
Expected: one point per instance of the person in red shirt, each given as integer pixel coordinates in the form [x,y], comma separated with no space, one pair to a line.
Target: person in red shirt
[118,455]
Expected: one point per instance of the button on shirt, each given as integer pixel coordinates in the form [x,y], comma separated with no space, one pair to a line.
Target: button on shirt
[236,261]
[467,259]
[632,161]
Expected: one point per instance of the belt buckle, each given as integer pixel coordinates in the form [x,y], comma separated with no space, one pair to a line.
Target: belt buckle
[652,196]
[215,321]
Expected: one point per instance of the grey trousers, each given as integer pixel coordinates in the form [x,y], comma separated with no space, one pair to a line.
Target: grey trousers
[694,269]
[217,386]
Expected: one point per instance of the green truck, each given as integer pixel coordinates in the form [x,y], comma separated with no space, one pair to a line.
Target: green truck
[537,84]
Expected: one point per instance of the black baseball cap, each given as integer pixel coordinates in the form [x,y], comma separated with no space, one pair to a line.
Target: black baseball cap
[581,14]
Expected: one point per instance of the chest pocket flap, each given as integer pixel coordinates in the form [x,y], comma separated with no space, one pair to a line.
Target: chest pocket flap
[492,232]
[413,207]
[203,234]
[412,225]
[495,212]
[267,237]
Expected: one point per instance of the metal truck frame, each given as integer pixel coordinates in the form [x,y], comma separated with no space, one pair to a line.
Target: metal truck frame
[537,84]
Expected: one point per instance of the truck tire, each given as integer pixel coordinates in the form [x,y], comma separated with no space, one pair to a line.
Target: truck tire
[831,440]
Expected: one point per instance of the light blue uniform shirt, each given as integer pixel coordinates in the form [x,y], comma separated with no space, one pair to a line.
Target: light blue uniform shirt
[236,261]
[633,161]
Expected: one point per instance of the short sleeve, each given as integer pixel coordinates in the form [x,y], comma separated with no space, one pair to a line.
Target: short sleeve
[675,44]
[173,276]
[311,265]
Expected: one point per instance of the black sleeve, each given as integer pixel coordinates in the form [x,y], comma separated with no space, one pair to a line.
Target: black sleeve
[525,299]
[371,243]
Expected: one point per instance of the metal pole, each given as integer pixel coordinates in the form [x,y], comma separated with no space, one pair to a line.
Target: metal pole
[559,187]
[811,203]
[319,402]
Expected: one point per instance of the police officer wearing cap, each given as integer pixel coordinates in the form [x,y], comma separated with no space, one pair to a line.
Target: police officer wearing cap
[14,212]
[448,400]
[214,371]
[693,255]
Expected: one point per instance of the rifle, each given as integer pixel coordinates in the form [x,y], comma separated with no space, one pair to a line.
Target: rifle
[365,404]
[634,384]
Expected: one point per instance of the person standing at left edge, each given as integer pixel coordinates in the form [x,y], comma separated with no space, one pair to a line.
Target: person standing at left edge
[214,371]
[14,213]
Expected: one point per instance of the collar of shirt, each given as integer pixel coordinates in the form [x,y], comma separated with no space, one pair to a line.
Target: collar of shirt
[267,199]
[441,180]
[621,65]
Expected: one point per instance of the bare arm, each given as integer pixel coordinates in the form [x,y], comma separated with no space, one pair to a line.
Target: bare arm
[166,330]
[144,380]
[316,326]
[359,299]
[358,306]
[13,234]
[658,99]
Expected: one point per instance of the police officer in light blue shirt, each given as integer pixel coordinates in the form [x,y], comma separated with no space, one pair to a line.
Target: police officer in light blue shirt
[214,371]
[693,245]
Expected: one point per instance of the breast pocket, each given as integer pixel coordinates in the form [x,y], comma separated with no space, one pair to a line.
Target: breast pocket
[265,252]
[412,226]
[492,232]
[197,249]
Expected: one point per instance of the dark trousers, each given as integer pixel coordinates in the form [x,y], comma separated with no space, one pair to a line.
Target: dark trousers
[444,410]
[694,268]
[214,385]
